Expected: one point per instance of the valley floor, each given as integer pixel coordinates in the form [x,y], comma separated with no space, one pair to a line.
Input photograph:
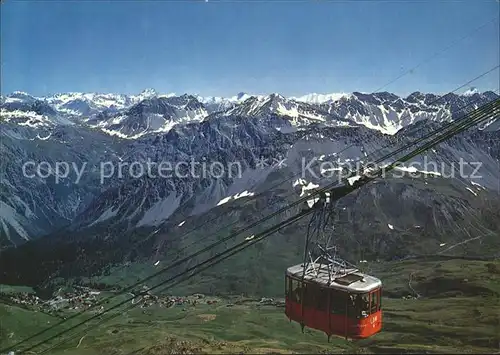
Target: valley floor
[450,307]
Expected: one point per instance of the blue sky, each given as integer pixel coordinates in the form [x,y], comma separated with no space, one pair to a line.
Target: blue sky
[222,48]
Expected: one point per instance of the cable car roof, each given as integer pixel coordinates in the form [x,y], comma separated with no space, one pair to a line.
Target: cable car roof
[350,280]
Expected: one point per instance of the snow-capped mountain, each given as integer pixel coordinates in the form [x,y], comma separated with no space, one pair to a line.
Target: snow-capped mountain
[388,113]
[80,104]
[297,113]
[119,115]
[25,110]
[142,217]
[316,99]
[134,200]
[219,104]
[21,101]
[174,128]
[150,116]
[471,91]
[87,104]
[243,143]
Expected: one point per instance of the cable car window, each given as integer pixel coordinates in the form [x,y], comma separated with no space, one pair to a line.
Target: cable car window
[351,306]
[338,302]
[322,299]
[365,311]
[362,304]
[296,291]
[311,295]
[379,299]
[374,302]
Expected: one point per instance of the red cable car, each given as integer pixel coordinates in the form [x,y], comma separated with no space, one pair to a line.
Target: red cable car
[337,300]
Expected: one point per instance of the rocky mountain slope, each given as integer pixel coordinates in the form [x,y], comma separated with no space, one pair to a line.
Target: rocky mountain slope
[129,166]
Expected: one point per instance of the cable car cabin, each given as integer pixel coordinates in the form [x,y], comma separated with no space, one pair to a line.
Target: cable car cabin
[348,304]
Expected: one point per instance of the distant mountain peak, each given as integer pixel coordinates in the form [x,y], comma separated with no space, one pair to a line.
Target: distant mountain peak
[19,94]
[471,91]
[152,112]
[149,92]
[241,95]
[315,98]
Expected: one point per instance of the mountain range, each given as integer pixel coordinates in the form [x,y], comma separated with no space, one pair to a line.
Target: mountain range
[79,199]
[133,116]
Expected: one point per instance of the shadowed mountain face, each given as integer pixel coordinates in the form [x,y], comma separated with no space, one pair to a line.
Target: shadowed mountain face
[392,219]
[102,199]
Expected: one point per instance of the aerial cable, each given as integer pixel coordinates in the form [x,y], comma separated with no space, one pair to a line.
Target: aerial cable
[177,263]
[430,134]
[346,148]
[481,114]
[458,40]
[192,271]
[492,107]
[479,227]
[271,230]
[213,260]
[454,125]
[221,254]
[413,129]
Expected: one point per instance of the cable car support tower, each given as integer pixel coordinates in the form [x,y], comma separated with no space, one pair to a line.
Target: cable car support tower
[321,254]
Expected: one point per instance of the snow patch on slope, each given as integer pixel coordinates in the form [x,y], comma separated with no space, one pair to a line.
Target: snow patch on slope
[412,169]
[314,98]
[471,191]
[235,197]
[305,186]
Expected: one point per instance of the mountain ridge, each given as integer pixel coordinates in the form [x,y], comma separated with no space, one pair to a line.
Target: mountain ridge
[179,129]
[117,114]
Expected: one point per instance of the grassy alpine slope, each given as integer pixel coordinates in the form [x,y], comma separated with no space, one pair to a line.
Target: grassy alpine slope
[434,306]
